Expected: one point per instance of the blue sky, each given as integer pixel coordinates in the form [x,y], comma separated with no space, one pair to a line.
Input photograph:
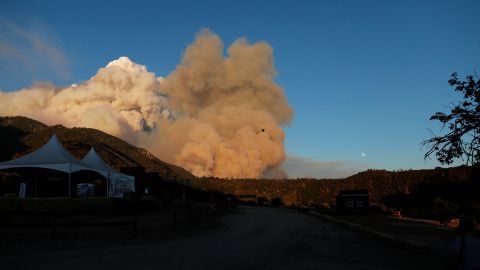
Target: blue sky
[362,76]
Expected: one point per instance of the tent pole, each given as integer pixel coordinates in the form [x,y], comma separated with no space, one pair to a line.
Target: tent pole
[70,180]
[108,185]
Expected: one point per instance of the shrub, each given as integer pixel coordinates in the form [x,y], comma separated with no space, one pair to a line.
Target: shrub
[277,202]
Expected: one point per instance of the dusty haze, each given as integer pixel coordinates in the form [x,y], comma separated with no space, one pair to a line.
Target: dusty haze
[214,115]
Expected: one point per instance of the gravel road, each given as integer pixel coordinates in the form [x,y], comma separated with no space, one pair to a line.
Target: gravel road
[251,238]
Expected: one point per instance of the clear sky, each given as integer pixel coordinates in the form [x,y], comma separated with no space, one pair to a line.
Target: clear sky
[363,77]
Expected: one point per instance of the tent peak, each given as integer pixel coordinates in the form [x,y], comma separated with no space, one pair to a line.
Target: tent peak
[91,152]
[54,139]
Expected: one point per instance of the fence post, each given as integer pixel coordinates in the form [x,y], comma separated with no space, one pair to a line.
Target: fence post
[174,217]
[54,225]
[206,214]
[135,224]
[188,217]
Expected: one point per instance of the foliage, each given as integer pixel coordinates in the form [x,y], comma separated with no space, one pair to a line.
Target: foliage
[262,201]
[379,183]
[463,123]
[445,209]
[277,202]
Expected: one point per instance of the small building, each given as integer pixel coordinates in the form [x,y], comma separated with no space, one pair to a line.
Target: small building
[352,200]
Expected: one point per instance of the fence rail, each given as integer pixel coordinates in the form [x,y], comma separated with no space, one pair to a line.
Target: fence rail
[181,217]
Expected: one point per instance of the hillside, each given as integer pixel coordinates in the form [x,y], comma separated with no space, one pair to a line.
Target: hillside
[447,183]
[21,135]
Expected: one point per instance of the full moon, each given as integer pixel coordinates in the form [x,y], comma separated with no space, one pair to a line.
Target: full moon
[363,154]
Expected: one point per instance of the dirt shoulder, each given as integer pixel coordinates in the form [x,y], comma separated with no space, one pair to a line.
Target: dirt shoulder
[416,236]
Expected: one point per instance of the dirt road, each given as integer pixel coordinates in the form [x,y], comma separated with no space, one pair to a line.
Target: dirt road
[251,238]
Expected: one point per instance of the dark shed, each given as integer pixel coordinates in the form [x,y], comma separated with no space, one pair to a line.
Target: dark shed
[352,200]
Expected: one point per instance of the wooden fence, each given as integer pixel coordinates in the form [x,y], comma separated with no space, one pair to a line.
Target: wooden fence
[181,217]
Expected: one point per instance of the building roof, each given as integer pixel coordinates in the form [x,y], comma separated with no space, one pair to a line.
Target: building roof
[353,192]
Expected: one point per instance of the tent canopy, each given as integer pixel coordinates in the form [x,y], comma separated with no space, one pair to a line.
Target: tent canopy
[93,160]
[54,156]
[118,183]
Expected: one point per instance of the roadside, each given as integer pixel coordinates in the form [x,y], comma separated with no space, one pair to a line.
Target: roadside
[404,233]
[418,237]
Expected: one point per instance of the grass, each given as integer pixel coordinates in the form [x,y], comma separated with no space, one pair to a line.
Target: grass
[439,238]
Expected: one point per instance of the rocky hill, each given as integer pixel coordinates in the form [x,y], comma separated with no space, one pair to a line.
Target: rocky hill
[21,135]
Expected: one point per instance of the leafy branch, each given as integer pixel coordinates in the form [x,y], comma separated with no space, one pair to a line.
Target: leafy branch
[463,123]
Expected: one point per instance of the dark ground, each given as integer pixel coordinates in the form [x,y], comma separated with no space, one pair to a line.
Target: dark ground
[251,238]
[438,238]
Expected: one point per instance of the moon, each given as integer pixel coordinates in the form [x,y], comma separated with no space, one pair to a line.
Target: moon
[363,154]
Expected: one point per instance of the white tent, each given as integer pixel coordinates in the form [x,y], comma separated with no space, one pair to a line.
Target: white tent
[117,182]
[54,156]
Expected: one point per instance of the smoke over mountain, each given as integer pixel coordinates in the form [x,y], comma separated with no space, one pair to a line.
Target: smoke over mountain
[214,115]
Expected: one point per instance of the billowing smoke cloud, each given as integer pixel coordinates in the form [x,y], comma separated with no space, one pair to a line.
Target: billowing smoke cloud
[214,115]
[122,99]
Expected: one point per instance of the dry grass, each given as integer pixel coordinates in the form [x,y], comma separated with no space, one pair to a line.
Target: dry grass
[437,236]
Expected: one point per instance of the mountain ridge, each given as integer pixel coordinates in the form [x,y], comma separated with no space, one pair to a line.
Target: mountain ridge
[22,135]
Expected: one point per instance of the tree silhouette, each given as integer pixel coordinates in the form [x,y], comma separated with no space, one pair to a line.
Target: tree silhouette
[463,122]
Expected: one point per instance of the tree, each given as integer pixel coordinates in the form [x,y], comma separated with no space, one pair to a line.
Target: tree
[463,122]
[277,202]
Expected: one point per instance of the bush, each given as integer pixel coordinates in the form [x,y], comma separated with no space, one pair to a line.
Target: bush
[262,201]
[444,209]
[277,202]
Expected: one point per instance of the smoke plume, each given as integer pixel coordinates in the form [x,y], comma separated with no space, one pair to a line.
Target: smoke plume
[214,115]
